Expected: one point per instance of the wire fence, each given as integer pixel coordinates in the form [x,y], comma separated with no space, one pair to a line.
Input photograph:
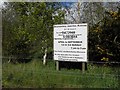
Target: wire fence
[112,62]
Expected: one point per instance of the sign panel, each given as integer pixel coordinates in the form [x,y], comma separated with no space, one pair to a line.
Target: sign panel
[70,42]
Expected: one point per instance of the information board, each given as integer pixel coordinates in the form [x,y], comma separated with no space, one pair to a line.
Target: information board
[70,42]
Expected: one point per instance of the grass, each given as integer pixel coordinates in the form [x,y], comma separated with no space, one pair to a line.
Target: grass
[36,75]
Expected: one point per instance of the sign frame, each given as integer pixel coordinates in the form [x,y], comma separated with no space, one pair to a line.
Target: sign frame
[71,26]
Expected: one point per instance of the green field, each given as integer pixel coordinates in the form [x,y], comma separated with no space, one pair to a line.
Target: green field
[36,75]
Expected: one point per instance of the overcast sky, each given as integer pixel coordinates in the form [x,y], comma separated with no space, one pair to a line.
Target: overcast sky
[1,2]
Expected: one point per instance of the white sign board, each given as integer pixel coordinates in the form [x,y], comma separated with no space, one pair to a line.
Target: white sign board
[70,42]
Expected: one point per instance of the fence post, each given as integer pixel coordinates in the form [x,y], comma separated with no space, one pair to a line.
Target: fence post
[57,65]
[83,66]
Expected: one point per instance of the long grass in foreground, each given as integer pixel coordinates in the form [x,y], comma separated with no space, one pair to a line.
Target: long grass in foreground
[36,75]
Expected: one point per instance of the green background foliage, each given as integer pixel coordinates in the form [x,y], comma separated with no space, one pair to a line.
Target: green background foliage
[31,31]
[104,38]
[28,31]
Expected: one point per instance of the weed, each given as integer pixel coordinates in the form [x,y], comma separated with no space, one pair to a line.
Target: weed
[36,75]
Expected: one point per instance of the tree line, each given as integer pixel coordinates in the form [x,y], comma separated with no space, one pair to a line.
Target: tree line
[28,29]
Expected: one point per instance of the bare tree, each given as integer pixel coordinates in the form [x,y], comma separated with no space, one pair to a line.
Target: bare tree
[88,12]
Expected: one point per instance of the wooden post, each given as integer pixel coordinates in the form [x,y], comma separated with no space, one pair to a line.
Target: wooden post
[57,65]
[83,66]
